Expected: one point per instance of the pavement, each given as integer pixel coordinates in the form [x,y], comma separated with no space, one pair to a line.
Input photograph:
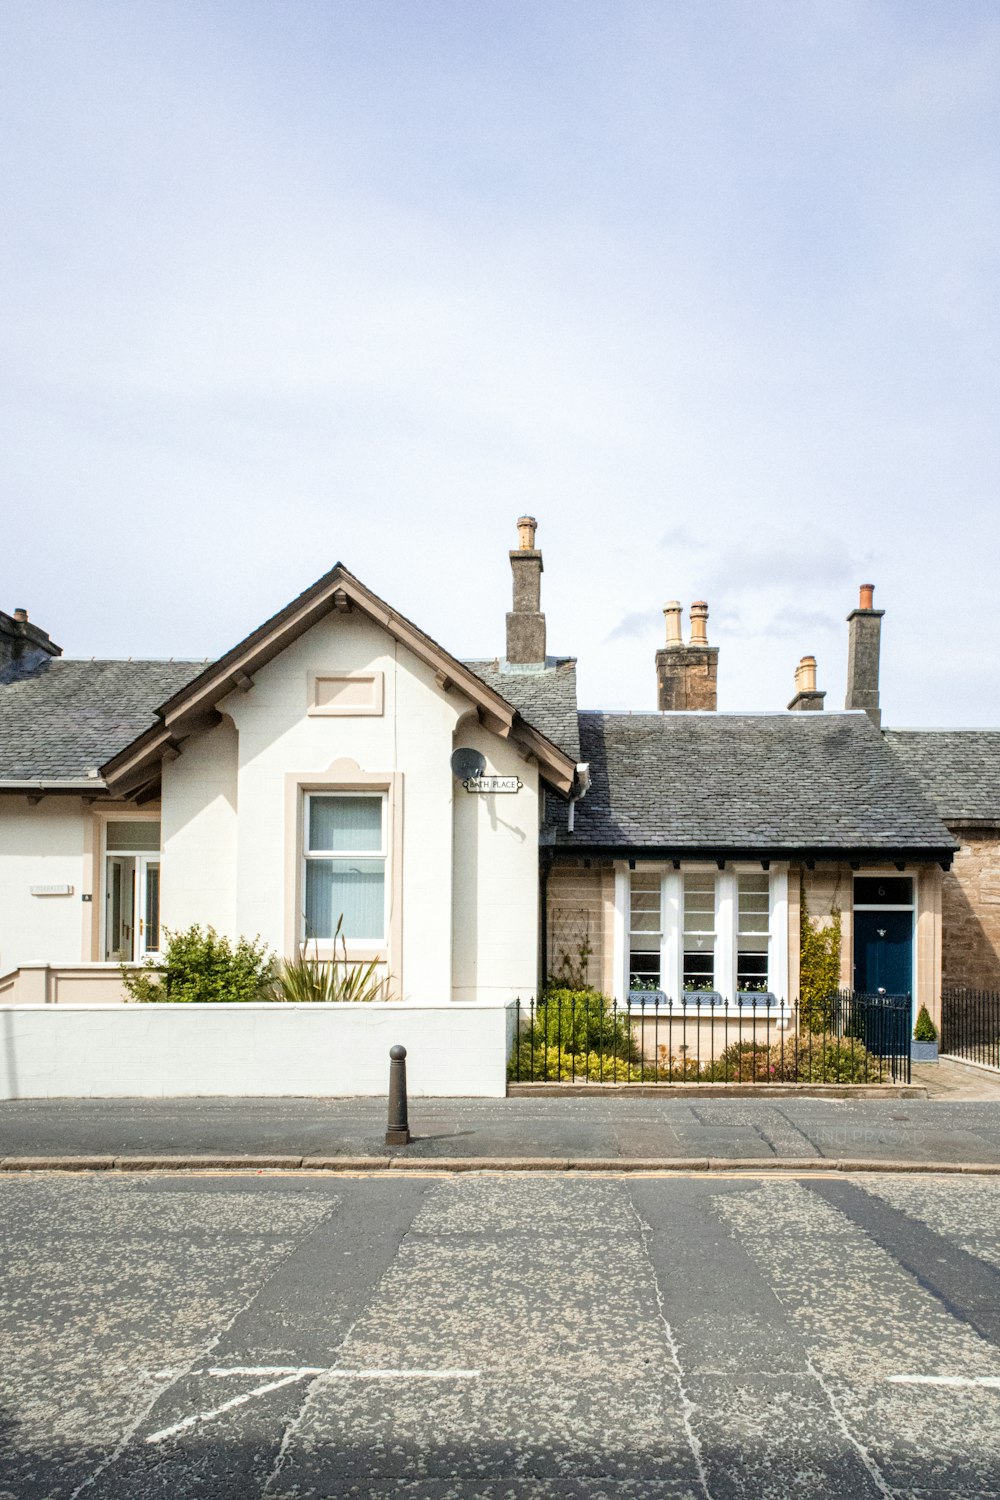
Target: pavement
[431,1337]
[600,1130]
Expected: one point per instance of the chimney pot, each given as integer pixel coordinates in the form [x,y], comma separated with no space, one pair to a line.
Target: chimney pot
[21,615]
[672,616]
[686,675]
[526,528]
[867,600]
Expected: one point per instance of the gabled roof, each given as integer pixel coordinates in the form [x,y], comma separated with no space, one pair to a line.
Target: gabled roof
[194,705]
[546,697]
[759,783]
[61,719]
[958,769]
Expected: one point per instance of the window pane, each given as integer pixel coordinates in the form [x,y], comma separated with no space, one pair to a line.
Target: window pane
[354,888]
[644,913]
[153,908]
[644,969]
[883,890]
[751,971]
[133,838]
[699,903]
[753,901]
[699,970]
[352,823]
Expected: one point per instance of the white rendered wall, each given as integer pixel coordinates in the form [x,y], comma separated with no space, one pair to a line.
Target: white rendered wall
[162,1051]
[41,845]
[198,838]
[495,902]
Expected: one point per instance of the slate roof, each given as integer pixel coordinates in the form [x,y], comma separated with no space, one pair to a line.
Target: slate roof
[64,718]
[546,698]
[61,718]
[959,769]
[712,782]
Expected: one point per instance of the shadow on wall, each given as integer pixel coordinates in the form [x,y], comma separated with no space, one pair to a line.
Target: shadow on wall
[970,956]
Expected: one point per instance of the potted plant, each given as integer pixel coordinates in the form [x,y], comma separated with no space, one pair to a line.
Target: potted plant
[924,1046]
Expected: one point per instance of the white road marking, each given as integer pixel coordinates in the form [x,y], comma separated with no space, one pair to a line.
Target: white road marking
[288,1376]
[838,1416]
[987,1382]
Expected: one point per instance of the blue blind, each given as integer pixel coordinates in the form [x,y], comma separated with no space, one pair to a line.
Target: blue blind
[345,823]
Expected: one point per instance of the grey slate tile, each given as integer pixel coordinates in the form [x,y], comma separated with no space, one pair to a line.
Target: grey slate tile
[958,769]
[67,717]
[753,781]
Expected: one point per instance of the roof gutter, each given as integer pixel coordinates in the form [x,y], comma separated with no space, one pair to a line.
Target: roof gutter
[724,854]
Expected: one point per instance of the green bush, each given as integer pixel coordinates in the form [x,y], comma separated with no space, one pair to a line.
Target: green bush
[576,1033]
[925,1030]
[200,965]
[581,1021]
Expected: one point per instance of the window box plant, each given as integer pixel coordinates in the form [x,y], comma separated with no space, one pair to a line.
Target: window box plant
[924,1046]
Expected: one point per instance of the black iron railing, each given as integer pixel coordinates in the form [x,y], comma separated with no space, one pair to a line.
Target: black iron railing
[970,1025]
[578,1037]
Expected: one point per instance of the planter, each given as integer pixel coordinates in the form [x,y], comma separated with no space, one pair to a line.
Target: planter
[760,998]
[923,1052]
[638,998]
[703,997]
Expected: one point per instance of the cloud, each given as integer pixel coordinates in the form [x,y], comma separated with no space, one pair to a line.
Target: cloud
[680,538]
[766,559]
[798,622]
[636,626]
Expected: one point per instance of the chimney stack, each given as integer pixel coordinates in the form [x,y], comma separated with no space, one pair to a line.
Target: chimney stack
[22,644]
[863,647]
[806,697]
[686,676]
[525,622]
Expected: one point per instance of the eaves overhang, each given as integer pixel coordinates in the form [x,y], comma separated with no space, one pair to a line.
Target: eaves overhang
[776,853]
[195,706]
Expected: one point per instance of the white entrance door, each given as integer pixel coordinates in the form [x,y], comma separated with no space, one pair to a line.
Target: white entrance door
[148,887]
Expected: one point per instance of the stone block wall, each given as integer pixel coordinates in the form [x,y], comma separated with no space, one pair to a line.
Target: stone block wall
[971,912]
[581,903]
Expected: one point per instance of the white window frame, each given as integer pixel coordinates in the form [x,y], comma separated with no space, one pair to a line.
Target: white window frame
[355,946]
[106,848]
[725,934]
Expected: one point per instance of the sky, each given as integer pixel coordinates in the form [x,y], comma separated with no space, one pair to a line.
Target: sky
[709,287]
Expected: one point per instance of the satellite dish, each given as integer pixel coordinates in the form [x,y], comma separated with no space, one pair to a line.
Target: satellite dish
[467,764]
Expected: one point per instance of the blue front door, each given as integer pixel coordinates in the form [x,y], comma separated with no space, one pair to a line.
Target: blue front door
[883,952]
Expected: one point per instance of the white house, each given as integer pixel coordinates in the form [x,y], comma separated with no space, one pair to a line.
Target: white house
[305,775]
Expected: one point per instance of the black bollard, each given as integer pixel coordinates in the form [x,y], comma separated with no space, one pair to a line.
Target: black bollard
[398,1133]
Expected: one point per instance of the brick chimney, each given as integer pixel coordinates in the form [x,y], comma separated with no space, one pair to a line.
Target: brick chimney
[22,644]
[525,622]
[686,676]
[806,697]
[863,647]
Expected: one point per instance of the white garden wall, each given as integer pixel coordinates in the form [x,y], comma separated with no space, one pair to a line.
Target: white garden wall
[158,1051]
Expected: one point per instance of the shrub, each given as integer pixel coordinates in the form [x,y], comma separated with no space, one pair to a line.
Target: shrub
[305,980]
[576,1034]
[925,1030]
[581,1021]
[819,968]
[200,965]
[822,1058]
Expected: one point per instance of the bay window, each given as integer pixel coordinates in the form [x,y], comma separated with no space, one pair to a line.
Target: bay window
[712,934]
[345,858]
